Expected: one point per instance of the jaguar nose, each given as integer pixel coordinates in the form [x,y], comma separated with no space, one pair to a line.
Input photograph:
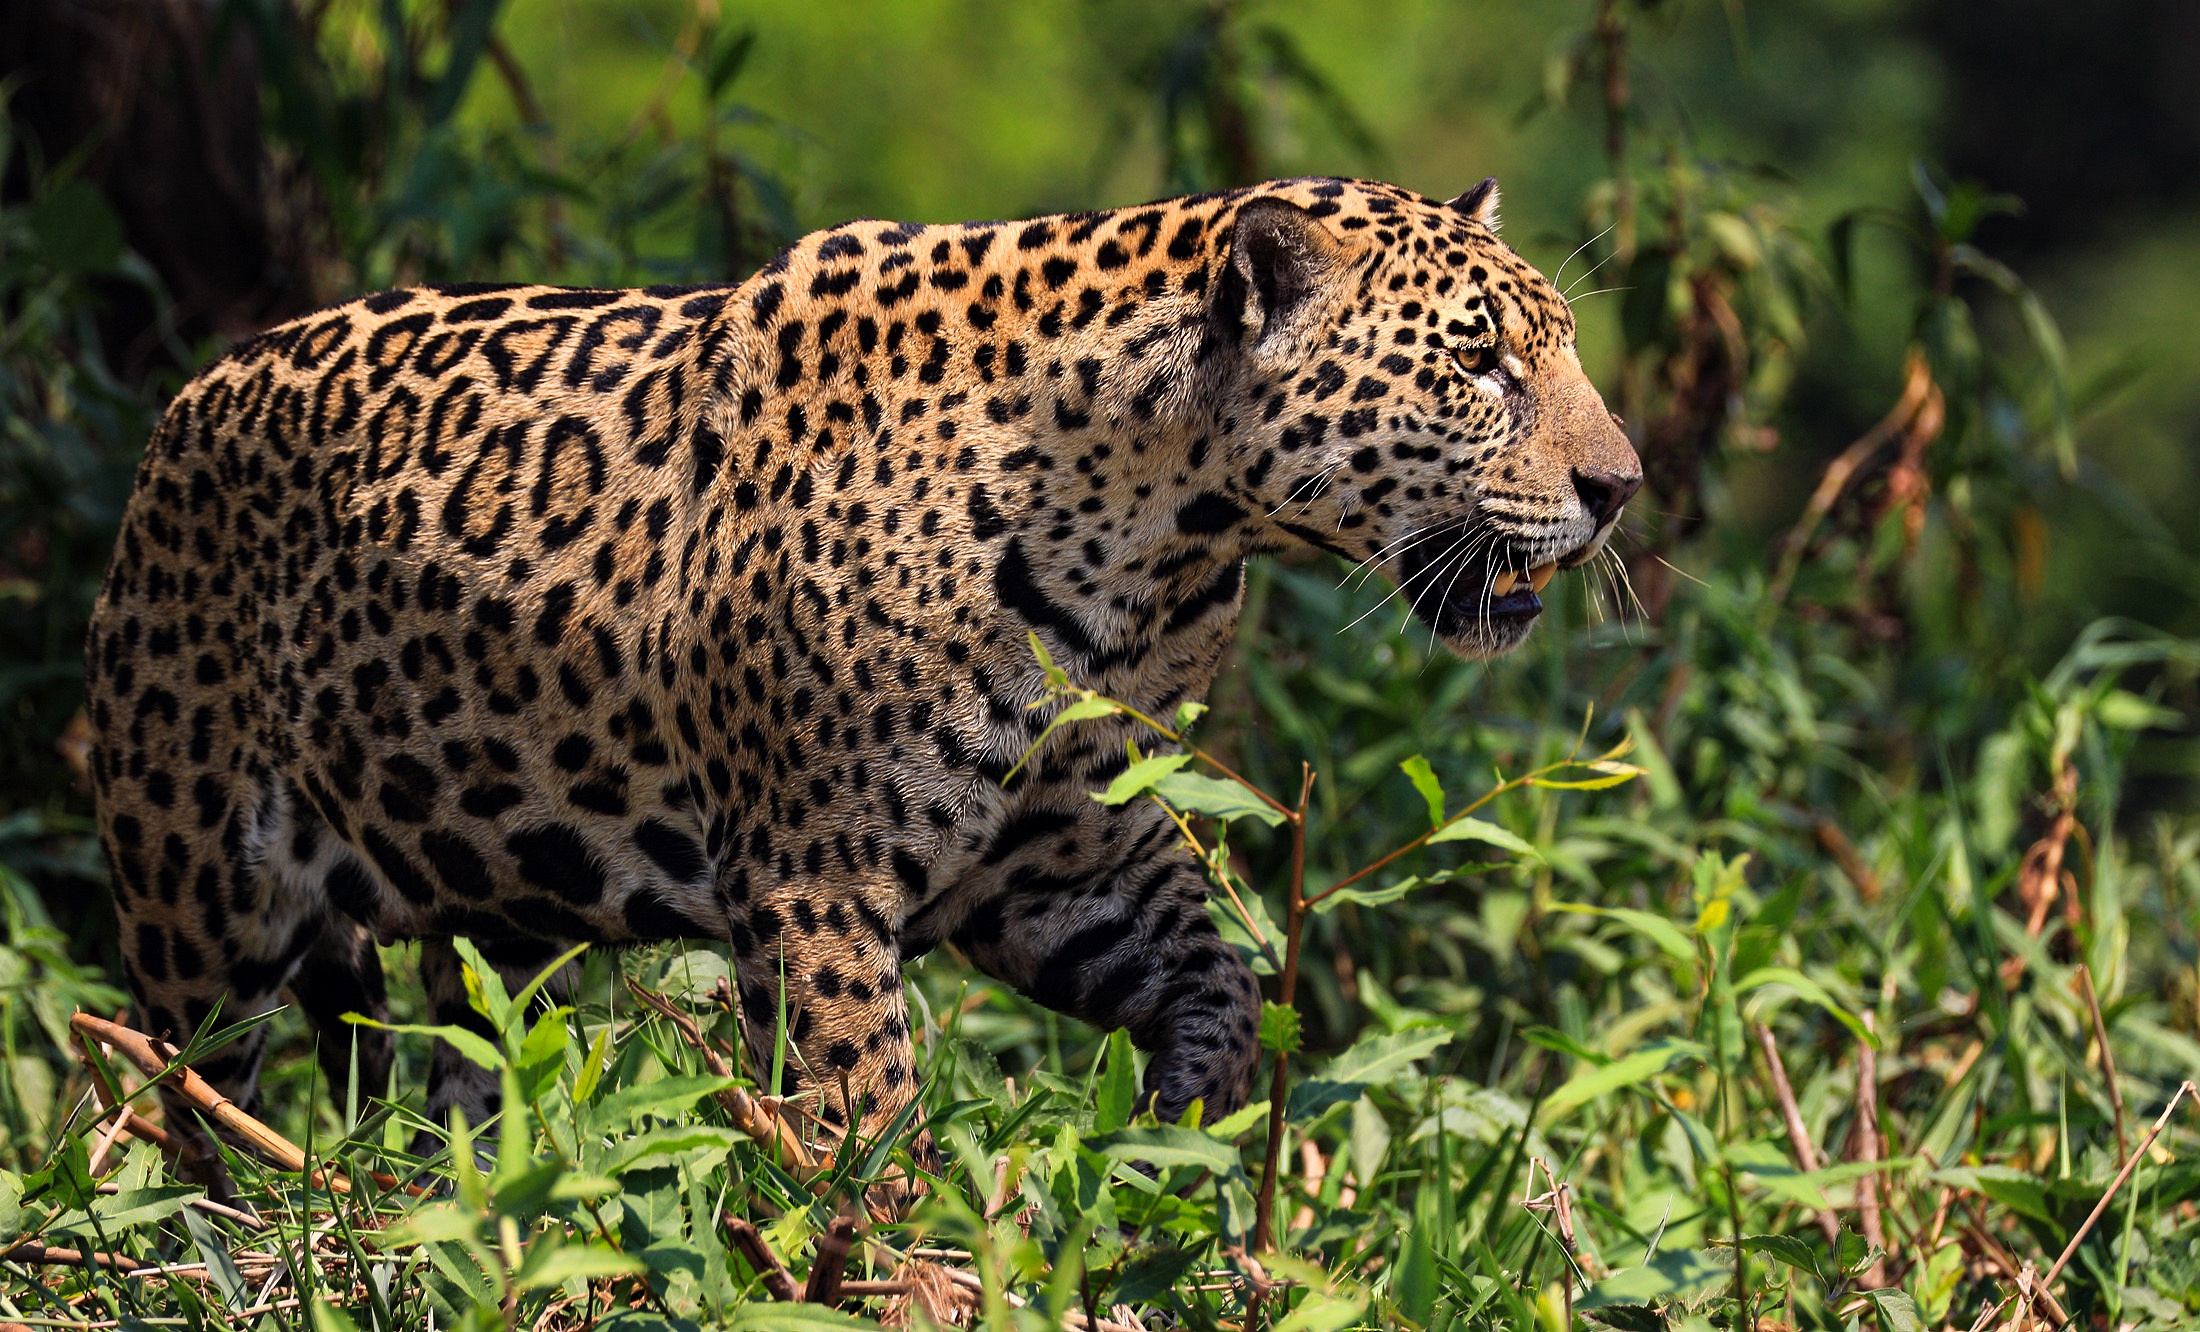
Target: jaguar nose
[1603,493]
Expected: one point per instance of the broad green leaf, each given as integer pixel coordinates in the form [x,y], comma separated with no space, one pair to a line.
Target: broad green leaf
[1139,777]
[1649,924]
[1897,1311]
[1799,1254]
[1118,1090]
[1155,1274]
[1087,709]
[484,984]
[1238,1122]
[1807,989]
[1681,1272]
[1377,1056]
[1374,1058]
[1167,1145]
[434,1223]
[1628,1070]
[1047,667]
[592,1067]
[213,1250]
[693,976]
[11,1206]
[1478,830]
[666,1143]
[1215,798]
[2012,1188]
[1232,927]
[138,1207]
[1424,780]
[665,1097]
[542,1054]
[577,1188]
[1807,1187]
[467,1043]
[1084,709]
[1279,1029]
[776,1317]
[548,1266]
[1323,1312]
[1382,896]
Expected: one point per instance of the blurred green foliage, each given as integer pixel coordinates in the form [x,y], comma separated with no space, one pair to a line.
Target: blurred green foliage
[1910,603]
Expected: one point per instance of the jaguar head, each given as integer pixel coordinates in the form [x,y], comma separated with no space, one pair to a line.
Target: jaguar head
[1418,404]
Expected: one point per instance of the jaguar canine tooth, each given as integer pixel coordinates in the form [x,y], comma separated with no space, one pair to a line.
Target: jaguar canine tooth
[1502,585]
[1540,576]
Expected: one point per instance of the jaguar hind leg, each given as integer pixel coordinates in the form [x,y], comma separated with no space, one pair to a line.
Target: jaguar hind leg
[342,974]
[847,1055]
[205,923]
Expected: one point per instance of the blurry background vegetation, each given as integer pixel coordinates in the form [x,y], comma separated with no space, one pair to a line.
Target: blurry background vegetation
[1798,231]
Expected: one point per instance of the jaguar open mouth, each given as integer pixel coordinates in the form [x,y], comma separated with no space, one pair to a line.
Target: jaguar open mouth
[1480,593]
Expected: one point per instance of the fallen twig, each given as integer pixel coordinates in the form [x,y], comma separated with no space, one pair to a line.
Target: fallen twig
[2184,1089]
[46,1255]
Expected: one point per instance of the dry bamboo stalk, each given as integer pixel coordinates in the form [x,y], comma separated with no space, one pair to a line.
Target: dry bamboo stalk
[153,1059]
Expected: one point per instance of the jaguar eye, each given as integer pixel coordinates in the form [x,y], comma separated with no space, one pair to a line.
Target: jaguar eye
[1476,361]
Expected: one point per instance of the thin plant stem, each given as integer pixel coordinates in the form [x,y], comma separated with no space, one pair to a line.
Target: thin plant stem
[1294,930]
[2108,1061]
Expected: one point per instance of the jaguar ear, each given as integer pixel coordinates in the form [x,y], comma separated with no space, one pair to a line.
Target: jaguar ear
[1279,255]
[1480,203]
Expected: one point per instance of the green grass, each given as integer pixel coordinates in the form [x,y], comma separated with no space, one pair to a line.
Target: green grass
[1567,1000]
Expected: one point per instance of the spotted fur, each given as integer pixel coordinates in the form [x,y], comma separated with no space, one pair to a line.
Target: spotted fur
[535,615]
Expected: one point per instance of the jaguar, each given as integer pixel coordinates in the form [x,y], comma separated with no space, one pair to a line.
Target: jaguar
[534,616]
